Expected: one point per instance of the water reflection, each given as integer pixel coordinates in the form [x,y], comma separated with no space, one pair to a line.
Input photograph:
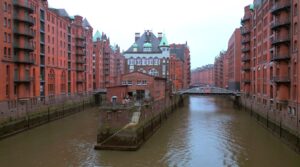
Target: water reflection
[208,131]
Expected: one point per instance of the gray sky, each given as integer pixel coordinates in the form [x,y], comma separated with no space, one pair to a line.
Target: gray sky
[205,24]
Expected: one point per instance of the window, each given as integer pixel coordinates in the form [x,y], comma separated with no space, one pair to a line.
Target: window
[5,37]
[126,82]
[144,82]
[5,22]
[153,72]
[144,62]
[139,61]
[5,51]
[8,23]
[150,61]
[138,82]
[5,7]
[8,8]
[8,38]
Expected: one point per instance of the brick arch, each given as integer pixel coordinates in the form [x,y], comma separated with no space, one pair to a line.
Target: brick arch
[63,81]
[51,82]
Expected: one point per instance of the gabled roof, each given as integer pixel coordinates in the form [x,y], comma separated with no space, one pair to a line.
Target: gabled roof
[149,37]
[97,36]
[86,23]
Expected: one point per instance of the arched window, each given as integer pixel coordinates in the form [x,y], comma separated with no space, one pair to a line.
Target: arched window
[153,72]
[51,85]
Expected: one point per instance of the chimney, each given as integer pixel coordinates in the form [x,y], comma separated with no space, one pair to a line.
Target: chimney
[137,36]
[159,36]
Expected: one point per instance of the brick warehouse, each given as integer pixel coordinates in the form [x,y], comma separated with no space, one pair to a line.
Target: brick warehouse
[139,86]
[270,68]
[47,52]
[47,56]
[180,66]
[203,76]
[109,63]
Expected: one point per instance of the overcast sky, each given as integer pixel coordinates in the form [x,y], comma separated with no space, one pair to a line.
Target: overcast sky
[206,25]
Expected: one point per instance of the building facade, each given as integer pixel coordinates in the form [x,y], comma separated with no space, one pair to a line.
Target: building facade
[234,61]
[46,54]
[203,76]
[109,63]
[145,86]
[148,54]
[221,70]
[180,66]
[270,66]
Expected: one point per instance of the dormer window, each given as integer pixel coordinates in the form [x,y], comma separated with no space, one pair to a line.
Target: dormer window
[135,47]
[147,47]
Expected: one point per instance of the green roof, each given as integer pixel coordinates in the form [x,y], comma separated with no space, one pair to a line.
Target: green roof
[147,45]
[251,7]
[96,36]
[135,45]
[163,41]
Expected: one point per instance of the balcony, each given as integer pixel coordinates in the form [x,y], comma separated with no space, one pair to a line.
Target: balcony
[80,80]
[280,57]
[80,45]
[245,18]
[246,49]
[278,7]
[25,60]
[245,31]
[24,18]
[281,40]
[246,40]
[246,81]
[24,5]
[25,46]
[26,79]
[246,68]
[80,38]
[25,32]
[246,58]
[80,61]
[80,69]
[80,52]
[278,24]
[281,79]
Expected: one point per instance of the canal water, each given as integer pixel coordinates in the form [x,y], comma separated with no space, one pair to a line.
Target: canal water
[208,131]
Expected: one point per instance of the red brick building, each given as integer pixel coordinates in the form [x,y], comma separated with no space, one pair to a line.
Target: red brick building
[221,70]
[270,61]
[138,86]
[109,63]
[180,66]
[46,54]
[234,60]
[203,76]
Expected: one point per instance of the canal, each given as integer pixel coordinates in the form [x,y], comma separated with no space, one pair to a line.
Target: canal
[208,131]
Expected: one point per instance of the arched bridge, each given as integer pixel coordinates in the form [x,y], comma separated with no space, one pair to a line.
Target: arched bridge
[209,91]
